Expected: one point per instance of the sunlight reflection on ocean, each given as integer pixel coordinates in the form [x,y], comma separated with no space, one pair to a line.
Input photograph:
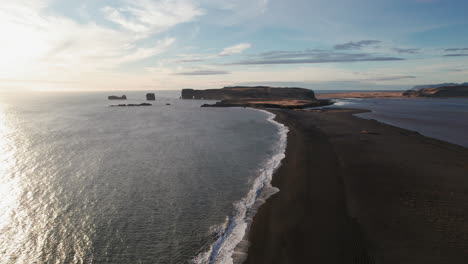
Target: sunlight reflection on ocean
[81,182]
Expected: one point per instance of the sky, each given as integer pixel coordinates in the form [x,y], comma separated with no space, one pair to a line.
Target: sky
[69,45]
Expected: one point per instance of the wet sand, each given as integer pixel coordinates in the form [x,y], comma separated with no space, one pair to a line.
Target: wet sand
[359,191]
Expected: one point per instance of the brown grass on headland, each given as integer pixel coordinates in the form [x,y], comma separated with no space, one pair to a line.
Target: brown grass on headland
[365,95]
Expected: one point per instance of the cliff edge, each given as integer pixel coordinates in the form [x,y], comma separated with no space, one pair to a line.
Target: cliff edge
[257,96]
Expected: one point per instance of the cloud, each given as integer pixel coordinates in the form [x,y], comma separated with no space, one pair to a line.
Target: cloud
[456,49]
[356,45]
[456,55]
[312,56]
[56,51]
[148,17]
[233,12]
[391,78]
[408,51]
[236,49]
[203,72]
[143,53]
[328,85]
[232,50]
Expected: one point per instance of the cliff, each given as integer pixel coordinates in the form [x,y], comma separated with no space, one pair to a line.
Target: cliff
[254,92]
[115,97]
[444,91]
[257,96]
[150,97]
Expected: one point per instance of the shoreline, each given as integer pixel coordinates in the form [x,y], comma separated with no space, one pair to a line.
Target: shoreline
[231,245]
[346,195]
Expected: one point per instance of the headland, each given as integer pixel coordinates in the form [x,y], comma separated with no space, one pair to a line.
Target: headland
[359,191]
[431,92]
[257,96]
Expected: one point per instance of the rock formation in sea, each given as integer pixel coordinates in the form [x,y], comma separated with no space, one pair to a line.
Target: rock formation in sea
[115,97]
[124,105]
[150,97]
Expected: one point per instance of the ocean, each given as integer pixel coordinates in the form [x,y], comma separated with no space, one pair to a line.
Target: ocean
[82,182]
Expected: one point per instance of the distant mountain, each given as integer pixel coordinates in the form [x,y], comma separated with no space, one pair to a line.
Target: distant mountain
[457,90]
[419,87]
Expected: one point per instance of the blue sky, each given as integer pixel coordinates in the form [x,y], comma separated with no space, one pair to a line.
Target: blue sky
[174,44]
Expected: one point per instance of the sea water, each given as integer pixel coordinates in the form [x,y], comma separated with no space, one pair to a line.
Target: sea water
[82,182]
[442,118]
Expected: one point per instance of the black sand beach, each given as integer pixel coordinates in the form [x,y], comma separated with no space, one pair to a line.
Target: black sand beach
[359,191]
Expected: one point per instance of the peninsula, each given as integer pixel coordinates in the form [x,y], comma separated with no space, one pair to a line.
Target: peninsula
[354,190]
[430,92]
[257,96]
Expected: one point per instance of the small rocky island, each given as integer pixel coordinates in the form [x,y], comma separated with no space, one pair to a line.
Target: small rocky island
[124,105]
[150,97]
[257,96]
[115,97]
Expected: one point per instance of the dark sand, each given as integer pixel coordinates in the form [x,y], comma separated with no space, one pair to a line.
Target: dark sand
[388,196]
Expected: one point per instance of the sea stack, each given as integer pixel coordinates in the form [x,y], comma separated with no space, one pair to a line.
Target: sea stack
[115,97]
[150,97]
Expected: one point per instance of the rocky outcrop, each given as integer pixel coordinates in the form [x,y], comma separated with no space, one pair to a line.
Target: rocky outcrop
[257,96]
[419,87]
[124,105]
[150,97]
[251,92]
[445,91]
[272,104]
[115,97]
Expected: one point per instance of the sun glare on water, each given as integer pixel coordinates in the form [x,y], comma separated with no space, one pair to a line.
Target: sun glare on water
[9,185]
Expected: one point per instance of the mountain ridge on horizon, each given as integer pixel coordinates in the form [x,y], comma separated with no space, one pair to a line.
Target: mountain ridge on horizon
[425,86]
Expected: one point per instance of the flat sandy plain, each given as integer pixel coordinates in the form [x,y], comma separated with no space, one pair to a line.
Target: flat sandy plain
[359,191]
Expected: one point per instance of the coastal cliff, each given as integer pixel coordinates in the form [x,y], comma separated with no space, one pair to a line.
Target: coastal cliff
[444,91]
[257,96]
[251,92]
[115,97]
[433,91]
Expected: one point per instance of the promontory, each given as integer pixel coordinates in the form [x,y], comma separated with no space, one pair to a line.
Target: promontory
[257,96]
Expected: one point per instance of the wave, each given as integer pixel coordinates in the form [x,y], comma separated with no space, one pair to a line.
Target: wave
[231,244]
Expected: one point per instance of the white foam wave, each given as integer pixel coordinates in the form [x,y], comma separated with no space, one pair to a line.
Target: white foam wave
[231,246]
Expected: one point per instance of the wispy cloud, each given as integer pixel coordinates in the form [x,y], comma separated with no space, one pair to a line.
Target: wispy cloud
[228,51]
[456,49]
[237,11]
[391,78]
[407,51]
[203,72]
[236,49]
[312,56]
[356,45]
[456,55]
[148,17]
[143,53]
